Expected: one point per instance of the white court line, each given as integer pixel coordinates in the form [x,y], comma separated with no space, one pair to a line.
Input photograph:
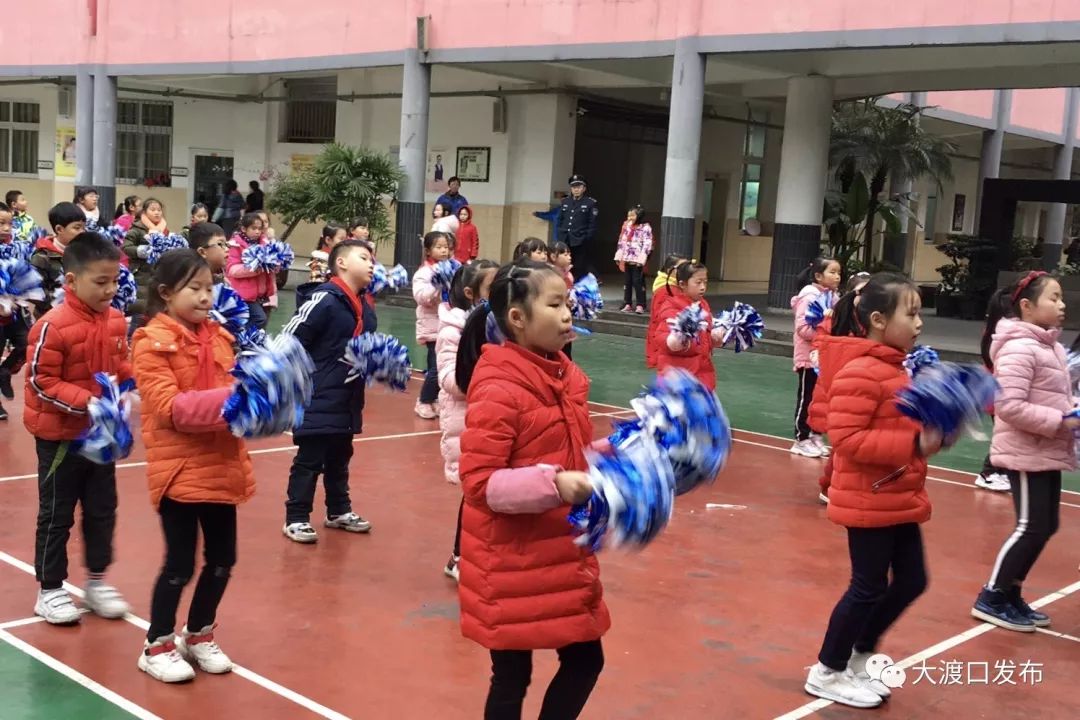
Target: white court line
[73,674]
[811,707]
[1063,636]
[295,697]
[20,623]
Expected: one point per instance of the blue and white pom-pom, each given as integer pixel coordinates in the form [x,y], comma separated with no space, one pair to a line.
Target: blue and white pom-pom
[587,302]
[91,225]
[1072,361]
[689,323]
[279,255]
[273,386]
[126,290]
[16,250]
[741,326]
[37,233]
[921,356]
[161,244]
[684,420]
[817,310]
[20,284]
[108,438]
[948,397]
[442,276]
[378,357]
[229,310]
[113,233]
[393,279]
[632,501]
[250,337]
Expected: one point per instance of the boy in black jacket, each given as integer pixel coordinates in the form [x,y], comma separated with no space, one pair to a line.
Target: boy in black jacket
[335,313]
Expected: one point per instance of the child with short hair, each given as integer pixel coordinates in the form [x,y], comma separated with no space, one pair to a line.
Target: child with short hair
[21,222]
[82,336]
[182,361]
[67,222]
[257,288]
[337,312]
[437,247]
[199,214]
[208,239]
[137,248]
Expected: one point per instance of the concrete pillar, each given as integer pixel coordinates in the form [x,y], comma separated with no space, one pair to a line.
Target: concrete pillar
[804,160]
[415,107]
[993,143]
[104,164]
[84,126]
[681,179]
[900,251]
[1055,217]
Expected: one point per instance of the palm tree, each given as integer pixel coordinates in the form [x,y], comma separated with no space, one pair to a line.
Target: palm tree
[879,142]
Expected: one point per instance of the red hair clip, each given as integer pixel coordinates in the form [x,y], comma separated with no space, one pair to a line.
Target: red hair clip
[1025,281]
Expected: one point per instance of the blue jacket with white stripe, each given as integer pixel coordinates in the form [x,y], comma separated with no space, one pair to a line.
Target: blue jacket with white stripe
[324,323]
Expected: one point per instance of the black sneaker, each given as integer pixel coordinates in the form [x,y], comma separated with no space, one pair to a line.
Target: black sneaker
[3,413]
[993,606]
[5,385]
[1040,619]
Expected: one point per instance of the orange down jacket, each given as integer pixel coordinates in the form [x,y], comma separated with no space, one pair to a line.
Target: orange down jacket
[524,583]
[878,478]
[191,455]
[64,349]
[697,358]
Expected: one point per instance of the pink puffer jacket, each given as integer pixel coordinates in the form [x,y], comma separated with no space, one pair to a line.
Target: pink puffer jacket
[804,334]
[249,284]
[1029,435]
[427,298]
[451,399]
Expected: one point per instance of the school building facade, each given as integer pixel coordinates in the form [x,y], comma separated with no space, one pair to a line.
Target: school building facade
[710,114]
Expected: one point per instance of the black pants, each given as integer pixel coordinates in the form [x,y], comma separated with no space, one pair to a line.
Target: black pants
[1037,499]
[257,315]
[457,533]
[73,480]
[180,522]
[807,381]
[328,455]
[429,393]
[581,260]
[635,284]
[511,671]
[14,334]
[872,603]
[989,468]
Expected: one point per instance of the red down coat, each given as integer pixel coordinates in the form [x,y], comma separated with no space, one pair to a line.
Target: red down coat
[872,442]
[524,583]
[697,358]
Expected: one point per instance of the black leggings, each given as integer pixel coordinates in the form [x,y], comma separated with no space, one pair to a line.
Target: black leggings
[429,392]
[511,671]
[1037,499]
[180,523]
[457,534]
[635,284]
[807,381]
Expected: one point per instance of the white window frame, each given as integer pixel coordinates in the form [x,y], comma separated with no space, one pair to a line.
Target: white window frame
[11,126]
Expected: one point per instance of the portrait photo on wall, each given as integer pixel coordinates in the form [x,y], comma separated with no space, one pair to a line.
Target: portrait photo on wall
[437,170]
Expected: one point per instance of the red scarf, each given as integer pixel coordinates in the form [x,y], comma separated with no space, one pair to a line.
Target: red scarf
[354,301]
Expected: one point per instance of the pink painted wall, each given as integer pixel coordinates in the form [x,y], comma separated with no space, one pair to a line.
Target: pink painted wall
[166,31]
[1042,109]
[977,103]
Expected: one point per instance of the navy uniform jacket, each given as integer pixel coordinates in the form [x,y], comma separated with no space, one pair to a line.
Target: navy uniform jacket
[324,325]
[577,220]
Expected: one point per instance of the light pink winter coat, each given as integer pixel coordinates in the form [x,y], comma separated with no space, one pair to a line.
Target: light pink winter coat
[804,334]
[451,399]
[1029,434]
[427,298]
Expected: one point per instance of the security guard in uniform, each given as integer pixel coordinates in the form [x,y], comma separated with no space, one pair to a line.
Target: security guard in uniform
[577,225]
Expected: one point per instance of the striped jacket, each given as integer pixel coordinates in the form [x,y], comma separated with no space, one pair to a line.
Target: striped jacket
[65,348]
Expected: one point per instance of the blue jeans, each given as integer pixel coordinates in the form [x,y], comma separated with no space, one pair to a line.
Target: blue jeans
[256,315]
[429,393]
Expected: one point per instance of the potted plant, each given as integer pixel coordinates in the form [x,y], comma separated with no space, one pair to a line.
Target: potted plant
[953,279]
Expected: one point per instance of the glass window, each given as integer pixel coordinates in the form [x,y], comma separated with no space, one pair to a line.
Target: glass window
[310,114]
[144,142]
[19,137]
[753,161]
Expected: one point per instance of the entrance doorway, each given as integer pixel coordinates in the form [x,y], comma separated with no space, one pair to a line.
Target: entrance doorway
[212,170]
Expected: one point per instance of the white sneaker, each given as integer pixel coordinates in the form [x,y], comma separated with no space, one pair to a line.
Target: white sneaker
[427,411]
[997,482]
[56,607]
[840,687]
[300,532]
[806,448]
[821,446]
[450,570]
[161,661]
[200,648]
[349,521]
[105,601]
[823,498]
[857,665]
